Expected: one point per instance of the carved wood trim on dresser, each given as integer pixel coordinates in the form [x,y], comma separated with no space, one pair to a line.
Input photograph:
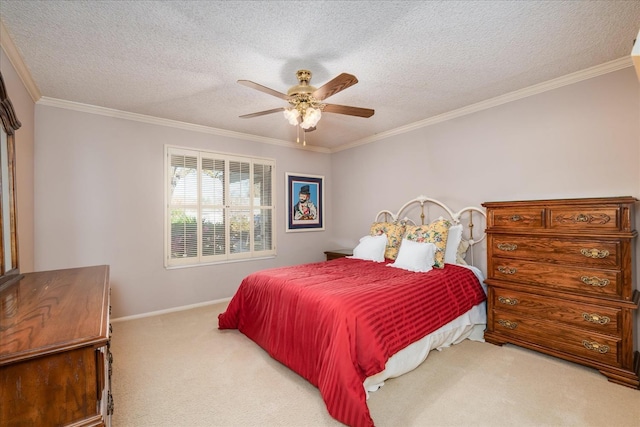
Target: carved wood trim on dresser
[55,363]
[560,281]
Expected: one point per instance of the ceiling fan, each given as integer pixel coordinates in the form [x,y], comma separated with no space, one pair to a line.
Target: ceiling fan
[306,106]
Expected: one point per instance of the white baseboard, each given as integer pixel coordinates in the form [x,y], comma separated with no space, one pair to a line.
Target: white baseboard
[169,310]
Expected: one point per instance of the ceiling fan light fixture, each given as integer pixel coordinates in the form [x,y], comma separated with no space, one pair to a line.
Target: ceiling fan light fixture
[311,118]
[291,114]
[302,111]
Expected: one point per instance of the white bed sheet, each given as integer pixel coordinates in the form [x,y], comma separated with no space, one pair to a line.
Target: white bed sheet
[469,325]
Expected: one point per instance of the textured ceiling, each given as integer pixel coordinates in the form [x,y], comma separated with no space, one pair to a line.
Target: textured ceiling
[414,60]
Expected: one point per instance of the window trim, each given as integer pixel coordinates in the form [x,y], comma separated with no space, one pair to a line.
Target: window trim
[227,257]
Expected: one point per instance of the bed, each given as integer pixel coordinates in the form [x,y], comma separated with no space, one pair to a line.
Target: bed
[349,324]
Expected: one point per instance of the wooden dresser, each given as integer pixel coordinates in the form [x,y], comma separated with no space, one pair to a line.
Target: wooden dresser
[55,363]
[560,281]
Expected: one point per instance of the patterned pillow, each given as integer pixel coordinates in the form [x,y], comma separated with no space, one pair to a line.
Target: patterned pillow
[394,232]
[435,233]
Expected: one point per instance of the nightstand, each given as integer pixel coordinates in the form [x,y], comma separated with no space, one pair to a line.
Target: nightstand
[338,253]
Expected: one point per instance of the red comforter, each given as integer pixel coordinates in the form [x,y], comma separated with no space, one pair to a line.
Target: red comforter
[337,322]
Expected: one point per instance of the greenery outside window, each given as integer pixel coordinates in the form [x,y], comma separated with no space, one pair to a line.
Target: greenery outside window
[219,207]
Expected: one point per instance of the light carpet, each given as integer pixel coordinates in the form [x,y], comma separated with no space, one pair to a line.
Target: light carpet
[178,369]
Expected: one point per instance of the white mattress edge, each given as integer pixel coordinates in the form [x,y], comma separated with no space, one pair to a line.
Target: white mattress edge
[469,325]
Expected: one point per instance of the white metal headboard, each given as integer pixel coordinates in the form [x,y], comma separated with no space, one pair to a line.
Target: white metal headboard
[455,217]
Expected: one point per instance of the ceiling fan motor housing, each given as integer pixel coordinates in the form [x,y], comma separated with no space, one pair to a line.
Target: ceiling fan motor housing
[303,87]
[300,94]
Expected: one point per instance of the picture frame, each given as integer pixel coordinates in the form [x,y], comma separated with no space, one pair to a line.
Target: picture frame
[304,202]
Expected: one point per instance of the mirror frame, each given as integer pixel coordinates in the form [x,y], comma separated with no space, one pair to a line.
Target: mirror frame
[10,123]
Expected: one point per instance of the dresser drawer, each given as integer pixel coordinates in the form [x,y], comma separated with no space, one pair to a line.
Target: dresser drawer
[604,320]
[516,218]
[577,279]
[592,346]
[590,253]
[602,218]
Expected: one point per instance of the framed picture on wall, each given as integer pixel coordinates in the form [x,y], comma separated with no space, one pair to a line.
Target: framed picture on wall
[305,202]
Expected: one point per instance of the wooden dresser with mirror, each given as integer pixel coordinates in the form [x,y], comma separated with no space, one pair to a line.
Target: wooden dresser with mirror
[55,362]
[560,277]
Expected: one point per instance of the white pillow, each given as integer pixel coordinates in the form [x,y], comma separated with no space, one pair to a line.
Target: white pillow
[415,256]
[371,248]
[453,241]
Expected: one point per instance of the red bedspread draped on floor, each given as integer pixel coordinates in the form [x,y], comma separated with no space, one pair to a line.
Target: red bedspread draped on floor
[337,322]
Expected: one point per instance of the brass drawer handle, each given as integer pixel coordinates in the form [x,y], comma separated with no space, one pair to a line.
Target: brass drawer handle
[508,301]
[594,281]
[594,253]
[594,346]
[596,318]
[507,246]
[597,219]
[515,218]
[507,270]
[508,324]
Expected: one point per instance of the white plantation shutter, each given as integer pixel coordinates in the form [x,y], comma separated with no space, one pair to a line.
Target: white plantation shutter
[240,216]
[213,207]
[183,206]
[263,207]
[219,207]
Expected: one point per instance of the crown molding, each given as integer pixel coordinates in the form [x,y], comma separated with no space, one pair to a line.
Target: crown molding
[598,70]
[6,42]
[110,112]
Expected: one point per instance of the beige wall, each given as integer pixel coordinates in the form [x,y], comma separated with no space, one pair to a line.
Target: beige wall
[24,106]
[100,196]
[581,140]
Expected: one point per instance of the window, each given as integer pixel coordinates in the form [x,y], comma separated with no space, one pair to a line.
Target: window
[219,207]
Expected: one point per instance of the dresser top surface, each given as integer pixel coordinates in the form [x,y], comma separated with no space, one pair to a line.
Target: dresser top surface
[555,202]
[56,310]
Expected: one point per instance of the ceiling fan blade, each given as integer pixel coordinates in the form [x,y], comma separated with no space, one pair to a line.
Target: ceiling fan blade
[345,109]
[310,129]
[262,113]
[334,86]
[253,85]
